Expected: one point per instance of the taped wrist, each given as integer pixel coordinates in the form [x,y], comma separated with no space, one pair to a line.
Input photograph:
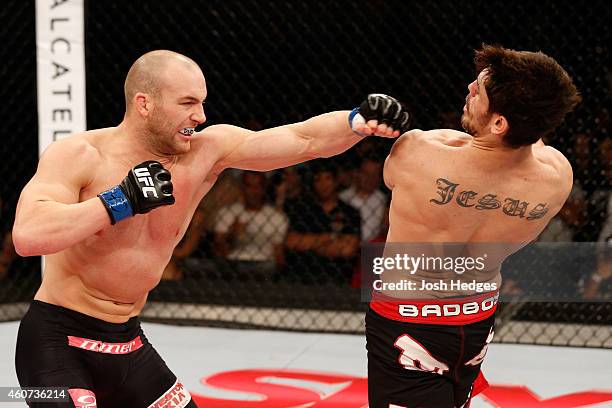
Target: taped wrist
[356,117]
[116,203]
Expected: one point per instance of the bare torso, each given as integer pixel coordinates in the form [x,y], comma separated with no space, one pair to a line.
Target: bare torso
[447,191]
[109,274]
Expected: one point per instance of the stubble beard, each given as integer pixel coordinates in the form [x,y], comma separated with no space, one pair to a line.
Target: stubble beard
[465,124]
[160,136]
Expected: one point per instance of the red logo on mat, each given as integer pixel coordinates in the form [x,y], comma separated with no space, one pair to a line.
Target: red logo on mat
[82,398]
[516,396]
[352,392]
[101,347]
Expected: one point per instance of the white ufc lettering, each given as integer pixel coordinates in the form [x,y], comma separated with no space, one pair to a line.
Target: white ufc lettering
[416,357]
[151,190]
[143,176]
[147,181]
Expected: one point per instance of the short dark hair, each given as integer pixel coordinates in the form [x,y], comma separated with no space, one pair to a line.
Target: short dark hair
[530,89]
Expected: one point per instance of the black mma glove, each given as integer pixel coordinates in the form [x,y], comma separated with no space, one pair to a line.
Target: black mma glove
[146,187]
[385,109]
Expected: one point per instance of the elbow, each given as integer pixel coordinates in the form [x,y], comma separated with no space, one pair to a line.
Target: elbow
[21,244]
[25,244]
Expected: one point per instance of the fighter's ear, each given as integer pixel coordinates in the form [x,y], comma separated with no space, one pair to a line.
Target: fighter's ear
[499,124]
[143,103]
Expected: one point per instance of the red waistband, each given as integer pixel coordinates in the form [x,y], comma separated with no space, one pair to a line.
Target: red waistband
[450,311]
[107,348]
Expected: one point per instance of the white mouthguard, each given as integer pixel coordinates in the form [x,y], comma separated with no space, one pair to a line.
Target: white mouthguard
[187,131]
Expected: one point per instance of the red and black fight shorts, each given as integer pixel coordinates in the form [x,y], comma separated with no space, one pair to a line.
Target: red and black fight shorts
[101,364]
[427,354]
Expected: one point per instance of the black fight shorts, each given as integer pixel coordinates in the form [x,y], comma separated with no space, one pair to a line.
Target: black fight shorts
[101,364]
[415,364]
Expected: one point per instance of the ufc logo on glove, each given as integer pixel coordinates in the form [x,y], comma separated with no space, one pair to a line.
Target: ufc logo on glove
[143,176]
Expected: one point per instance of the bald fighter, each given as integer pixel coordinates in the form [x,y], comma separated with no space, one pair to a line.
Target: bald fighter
[108,236]
[496,183]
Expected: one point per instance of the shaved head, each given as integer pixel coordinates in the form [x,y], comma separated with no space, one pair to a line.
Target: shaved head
[146,74]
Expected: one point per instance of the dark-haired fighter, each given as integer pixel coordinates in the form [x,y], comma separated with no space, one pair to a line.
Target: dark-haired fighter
[497,183]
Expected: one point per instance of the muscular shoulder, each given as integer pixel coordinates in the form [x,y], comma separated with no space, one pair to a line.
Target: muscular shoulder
[559,169]
[548,155]
[76,149]
[72,156]
[218,141]
[436,137]
[446,137]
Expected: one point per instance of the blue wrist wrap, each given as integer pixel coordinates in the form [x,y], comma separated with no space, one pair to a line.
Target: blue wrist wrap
[351,116]
[116,203]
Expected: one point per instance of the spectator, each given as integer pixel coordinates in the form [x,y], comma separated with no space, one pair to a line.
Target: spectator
[600,283]
[605,234]
[323,239]
[366,196]
[573,214]
[250,234]
[289,189]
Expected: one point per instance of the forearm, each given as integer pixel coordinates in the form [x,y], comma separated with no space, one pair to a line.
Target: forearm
[329,134]
[47,227]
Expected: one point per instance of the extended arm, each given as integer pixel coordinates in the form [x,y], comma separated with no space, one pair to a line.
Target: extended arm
[321,136]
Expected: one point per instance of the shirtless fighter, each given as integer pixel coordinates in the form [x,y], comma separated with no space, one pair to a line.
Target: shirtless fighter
[108,236]
[497,183]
